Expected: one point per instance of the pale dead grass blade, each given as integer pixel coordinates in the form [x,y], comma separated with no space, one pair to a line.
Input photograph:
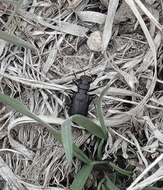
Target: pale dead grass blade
[74,3]
[61,26]
[52,55]
[107,33]
[148,58]
[116,145]
[90,16]
[134,103]
[51,164]
[18,146]
[156,132]
[151,17]
[132,142]
[11,150]
[156,176]
[24,120]
[35,83]
[16,2]
[15,40]
[130,79]
[138,148]
[2,46]
[115,121]
[138,108]
[124,138]
[8,175]
[113,91]
[156,161]
[35,187]
[133,63]
[8,1]
[152,147]
[49,168]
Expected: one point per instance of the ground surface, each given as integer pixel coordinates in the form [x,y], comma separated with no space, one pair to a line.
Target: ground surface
[120,43]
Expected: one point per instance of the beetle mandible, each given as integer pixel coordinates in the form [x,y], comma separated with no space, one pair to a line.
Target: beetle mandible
[81,99]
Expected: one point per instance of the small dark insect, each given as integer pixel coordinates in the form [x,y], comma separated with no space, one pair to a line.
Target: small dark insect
[81,100]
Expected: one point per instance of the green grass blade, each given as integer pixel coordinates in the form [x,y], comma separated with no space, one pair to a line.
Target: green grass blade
[103,187]
[19,107]
[90,126]
[99,107]
[100,149]
[99,187]
[81,177]
[80,155]
[100,114]
[15,40]
[67,141]
[120,170]
[110,185]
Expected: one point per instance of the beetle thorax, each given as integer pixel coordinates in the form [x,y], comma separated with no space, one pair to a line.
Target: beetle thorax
[83,88]
[84,85]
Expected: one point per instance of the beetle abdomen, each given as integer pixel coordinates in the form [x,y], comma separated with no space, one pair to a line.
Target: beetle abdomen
[80,104]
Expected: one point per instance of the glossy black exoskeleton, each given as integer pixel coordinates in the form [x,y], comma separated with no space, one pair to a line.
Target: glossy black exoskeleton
[81,99]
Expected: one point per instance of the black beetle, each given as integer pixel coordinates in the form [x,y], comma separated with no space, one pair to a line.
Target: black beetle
[81,100]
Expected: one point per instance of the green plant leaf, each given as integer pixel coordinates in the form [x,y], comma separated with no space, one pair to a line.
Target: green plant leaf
[81,177]
[120,170]
[89,125]
[110,185]
[67,141]
[80,155]
[19,107]
[15,40]
[100,149]
[100,114]
[99,107]
[99,187]
[103,187]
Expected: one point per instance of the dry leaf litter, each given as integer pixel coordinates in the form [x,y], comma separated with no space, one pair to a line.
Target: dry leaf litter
[113,39]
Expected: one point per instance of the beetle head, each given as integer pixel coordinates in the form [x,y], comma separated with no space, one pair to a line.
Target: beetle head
[84,79]
[84,82]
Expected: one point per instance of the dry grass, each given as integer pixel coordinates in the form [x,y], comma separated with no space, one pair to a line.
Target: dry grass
[41,74]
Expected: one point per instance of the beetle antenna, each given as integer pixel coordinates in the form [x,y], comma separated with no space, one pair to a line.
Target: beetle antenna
[75,75]
[94,77]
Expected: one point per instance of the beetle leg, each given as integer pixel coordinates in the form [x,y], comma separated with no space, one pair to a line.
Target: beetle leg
[71,92]
[75,75]
[68,100]
[76,82]
[91,97]
[94,77]
[94,88]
